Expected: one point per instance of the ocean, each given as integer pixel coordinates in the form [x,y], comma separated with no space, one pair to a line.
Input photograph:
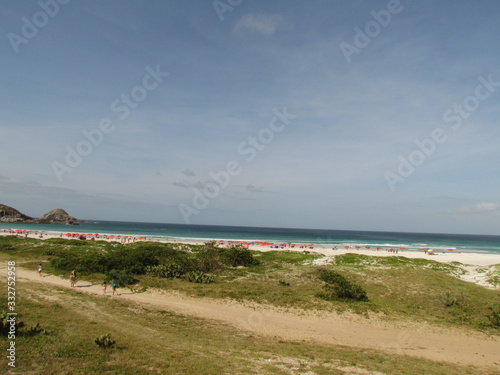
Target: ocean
[319,237]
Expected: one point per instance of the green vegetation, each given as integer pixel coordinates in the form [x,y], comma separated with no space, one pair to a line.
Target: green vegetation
[161,260]
[337,287]
[198,277]
[151,340]
[494,317]
[12,324]
[392,287]
[104,341]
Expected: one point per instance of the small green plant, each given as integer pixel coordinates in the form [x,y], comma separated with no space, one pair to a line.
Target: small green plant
[35,330]
[493,280]
[494,317]
[198,277]
[5,324]
[49,252]
[104,341]
[284,283]
[449,299]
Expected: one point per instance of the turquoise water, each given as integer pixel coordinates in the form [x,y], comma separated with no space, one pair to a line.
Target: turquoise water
[458,242]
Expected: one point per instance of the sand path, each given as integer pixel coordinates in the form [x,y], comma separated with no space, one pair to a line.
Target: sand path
[431,342]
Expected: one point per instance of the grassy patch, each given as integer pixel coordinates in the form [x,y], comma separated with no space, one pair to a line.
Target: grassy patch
[397,287]
[152,340]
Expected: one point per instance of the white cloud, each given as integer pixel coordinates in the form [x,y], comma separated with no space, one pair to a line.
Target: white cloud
[480,208]
[264,24]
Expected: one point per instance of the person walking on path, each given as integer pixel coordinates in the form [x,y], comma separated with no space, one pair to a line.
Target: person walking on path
[40,269]
[104,287]
[72,277]
[114,284]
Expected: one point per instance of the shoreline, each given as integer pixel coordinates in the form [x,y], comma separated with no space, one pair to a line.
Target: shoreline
[468,258]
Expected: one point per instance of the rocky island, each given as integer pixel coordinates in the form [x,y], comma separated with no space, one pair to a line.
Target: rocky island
[58,216]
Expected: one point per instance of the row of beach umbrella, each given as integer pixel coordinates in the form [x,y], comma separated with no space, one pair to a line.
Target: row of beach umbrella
[215,242]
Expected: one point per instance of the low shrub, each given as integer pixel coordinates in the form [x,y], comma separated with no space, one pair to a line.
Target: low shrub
[94,262]
[65,261]
[210,259]
[19,328]
[5,325]
[240,256]
[494,317]
[449,299]
[104,341]
[337,287]
[169,270]
[198,277]
[34,330]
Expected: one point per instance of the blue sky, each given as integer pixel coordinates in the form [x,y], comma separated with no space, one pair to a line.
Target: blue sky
[361,84]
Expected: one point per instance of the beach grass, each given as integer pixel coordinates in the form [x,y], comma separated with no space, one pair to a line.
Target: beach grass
[397,287]
[152,340]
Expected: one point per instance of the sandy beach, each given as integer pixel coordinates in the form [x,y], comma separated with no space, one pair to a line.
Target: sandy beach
[397,337]
[467,258]
[478,268]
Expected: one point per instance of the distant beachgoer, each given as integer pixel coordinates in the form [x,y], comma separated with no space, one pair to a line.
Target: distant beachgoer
[40,269]
[72,278]
[104,287]
[114,284]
